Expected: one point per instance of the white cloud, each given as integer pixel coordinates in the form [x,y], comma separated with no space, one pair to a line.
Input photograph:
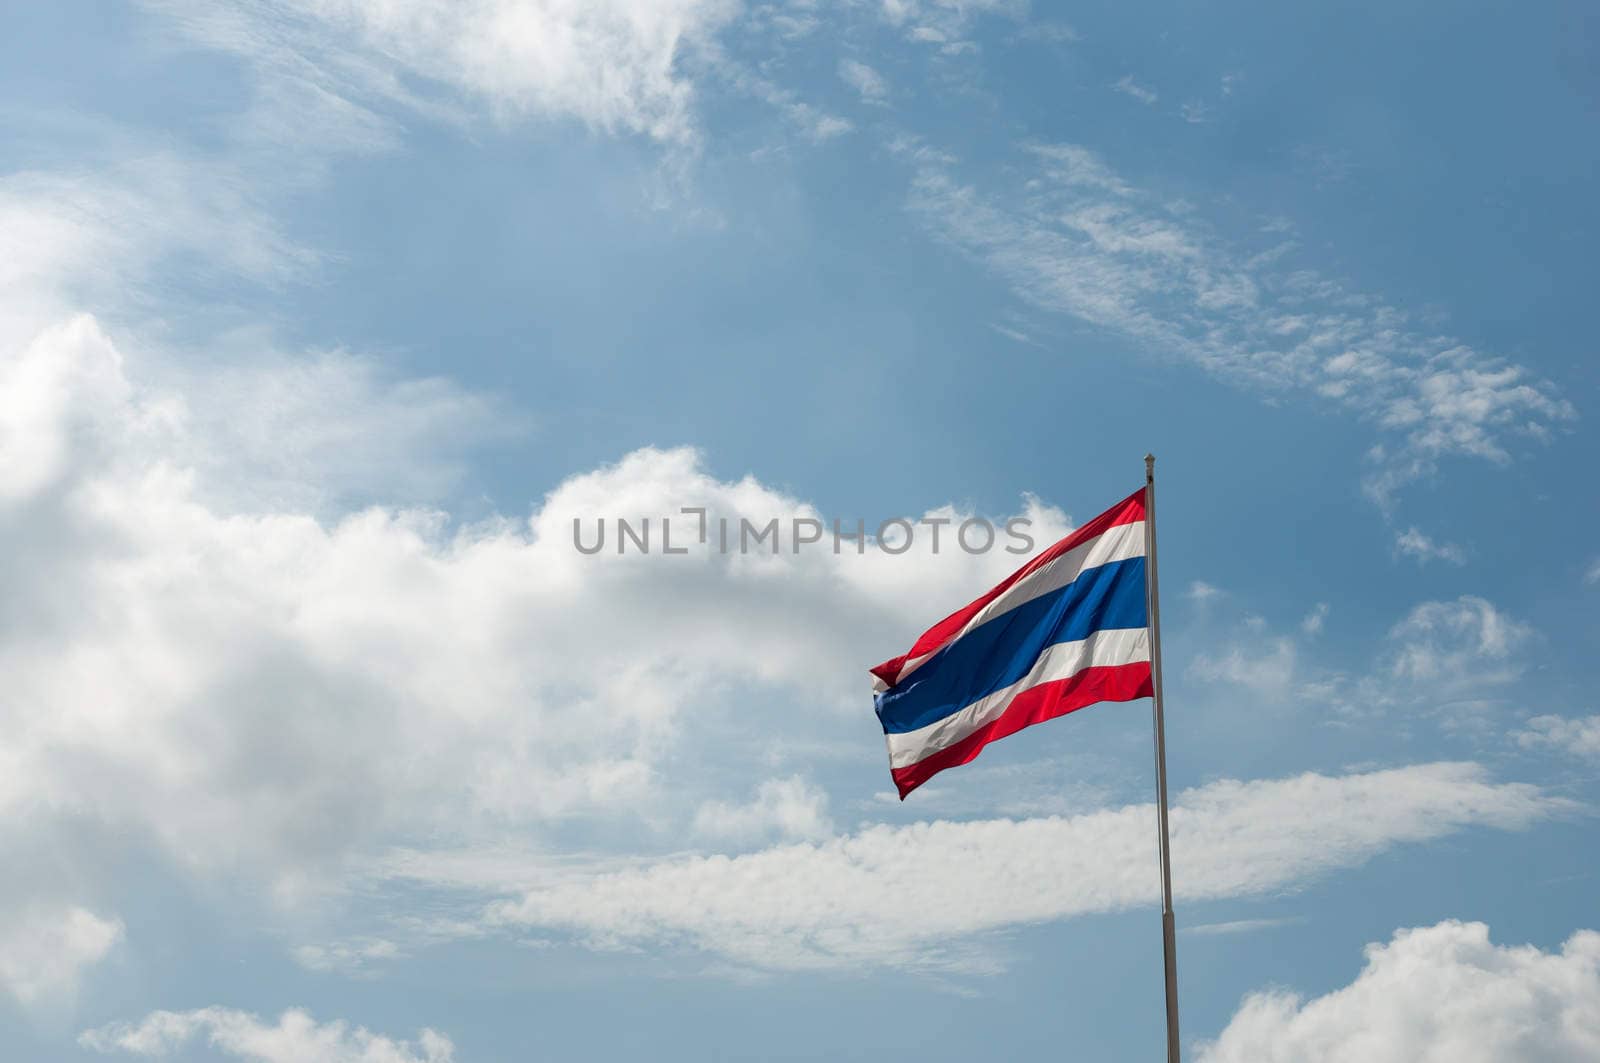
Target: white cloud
[348,957]
[1129,87]
[1592,576]
[1312,624]
[196,612]
[337,685]
[1440,994]
[813,123]
[1579,737]
[1453,661]
[296,1038]
[45,948]
[263,427]
[914,896]
[616,65]
[1467,640]
[821,127]
[1016,335]
[1055,786]
[946,22]
[1071,235]
[1265,665]
[1238,926]
[787,808]
[97,237]
[1414,544]
[867,82]
[323,430]
[1050,32]
[1201,591]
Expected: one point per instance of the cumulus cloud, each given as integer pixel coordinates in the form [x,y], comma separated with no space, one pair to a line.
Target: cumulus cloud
[330,684]
[916,896]
[45,948]
[189,617]
[295,1038]
[192,608]
[263,425]
[1440,994]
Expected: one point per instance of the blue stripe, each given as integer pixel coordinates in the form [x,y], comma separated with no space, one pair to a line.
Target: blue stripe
[999,652]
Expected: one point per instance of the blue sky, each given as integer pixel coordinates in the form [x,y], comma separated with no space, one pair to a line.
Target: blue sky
[321,321]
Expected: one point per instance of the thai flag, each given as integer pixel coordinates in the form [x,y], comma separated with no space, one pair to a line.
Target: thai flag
[1066,630]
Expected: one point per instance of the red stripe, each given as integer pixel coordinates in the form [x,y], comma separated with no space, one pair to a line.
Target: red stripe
[1127,511]
[1121,682]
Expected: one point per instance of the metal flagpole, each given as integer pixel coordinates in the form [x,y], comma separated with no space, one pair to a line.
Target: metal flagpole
[1169,945]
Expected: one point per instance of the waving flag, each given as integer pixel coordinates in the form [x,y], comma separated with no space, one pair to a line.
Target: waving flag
[1078,624]
[1066,630]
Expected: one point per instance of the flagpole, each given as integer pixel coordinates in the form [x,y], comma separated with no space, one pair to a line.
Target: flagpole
[1169,945]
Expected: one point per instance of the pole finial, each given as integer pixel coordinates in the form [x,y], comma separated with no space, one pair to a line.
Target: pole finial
[1149,468]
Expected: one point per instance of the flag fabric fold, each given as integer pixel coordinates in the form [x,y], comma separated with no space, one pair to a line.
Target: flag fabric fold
[1066,630]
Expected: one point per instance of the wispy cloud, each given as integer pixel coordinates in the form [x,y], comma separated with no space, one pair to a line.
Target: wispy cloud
[354,957]
[1084,783]
[868,83]
[946,24]
[1451,661]
[1264,665]
[295,1038]
[1129,87]
[615,65]
[1014,334]
[1578,737]
[1075,237]
[1413,543]
[46,947]
[915,896]
[1239,926]
[785,808]
[1452,640]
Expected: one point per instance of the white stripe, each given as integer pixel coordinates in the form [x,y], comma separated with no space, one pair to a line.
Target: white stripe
[1063,660]
[1117,543]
